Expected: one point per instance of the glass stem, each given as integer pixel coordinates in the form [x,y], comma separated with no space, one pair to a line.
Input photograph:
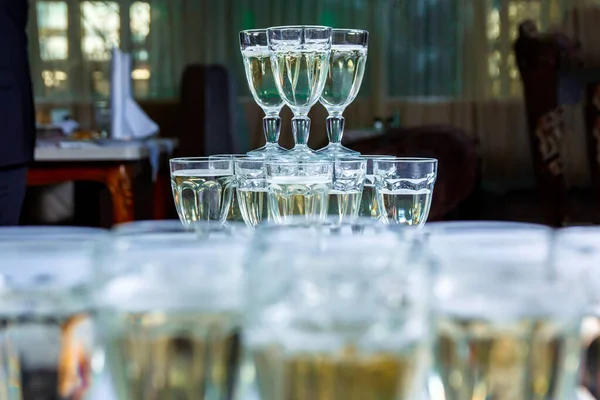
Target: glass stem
[301,130]
[335,128]
[272,128]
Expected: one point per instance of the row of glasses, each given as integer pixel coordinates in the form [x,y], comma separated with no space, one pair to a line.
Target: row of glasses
[235,188]
[463,311]
[298,66]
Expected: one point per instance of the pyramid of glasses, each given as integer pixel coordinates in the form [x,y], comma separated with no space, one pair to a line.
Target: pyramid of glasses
[298,66]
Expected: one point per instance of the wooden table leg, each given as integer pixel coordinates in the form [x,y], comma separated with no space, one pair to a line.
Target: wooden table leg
[119,182]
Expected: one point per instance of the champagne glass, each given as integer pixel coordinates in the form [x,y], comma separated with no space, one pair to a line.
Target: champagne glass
[251,182]
[261,80]
[47,341]
[576,259]
[300,59]
[368,203]
[347,318]
[169,313]
[346,70]
[346,192]
[507,324]
[299,187]
[404,188]
[202,189]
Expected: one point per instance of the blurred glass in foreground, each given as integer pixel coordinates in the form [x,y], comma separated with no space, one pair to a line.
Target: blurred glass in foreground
[170,315]
[336,317]
[577,260]
[507,326]
[47,341]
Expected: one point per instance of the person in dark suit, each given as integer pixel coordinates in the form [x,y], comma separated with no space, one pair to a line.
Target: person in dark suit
[17,115]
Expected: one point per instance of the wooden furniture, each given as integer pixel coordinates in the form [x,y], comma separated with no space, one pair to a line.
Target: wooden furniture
[539,57]
[115,166]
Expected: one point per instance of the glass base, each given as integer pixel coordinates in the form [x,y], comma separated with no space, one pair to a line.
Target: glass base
[269,150]
[336,150]
[303,152]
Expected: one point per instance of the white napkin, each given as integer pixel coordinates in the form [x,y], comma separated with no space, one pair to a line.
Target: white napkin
[129,121]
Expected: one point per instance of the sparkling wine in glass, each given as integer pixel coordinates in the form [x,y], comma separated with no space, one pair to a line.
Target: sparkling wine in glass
[261,80]
[300,58]
[404,189]
[346,70]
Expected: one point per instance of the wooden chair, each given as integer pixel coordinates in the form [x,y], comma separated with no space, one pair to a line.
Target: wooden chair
[539,58]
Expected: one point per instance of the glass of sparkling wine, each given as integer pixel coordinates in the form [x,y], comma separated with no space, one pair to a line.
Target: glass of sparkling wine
[404,188]
[234,214]
[577,257]
[298,188]
[202,189]
[348,182]
[300,59]
[261,80]
[48,348]
[507,326]
[368,202]
[169,315]
[251,181]
[345,318]
[346,70]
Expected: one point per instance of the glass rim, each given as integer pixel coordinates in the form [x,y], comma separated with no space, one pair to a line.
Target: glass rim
[251,160]
[578,237]
[194,159]
[376,156]
[413,160]
[254,30]
[350,30]
[39,231]
[290,27]
[292,162]
[166,225]
[233,156]
[509,245]
[350,160]
[457,226]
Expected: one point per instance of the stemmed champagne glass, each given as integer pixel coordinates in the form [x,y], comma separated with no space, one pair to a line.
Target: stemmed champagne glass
[261,80]
[346,70]
[300,59]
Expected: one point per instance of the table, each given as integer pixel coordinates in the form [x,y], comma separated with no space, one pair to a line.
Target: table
[115,164]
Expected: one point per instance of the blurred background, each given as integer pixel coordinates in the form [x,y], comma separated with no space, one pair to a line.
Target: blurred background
[502,92]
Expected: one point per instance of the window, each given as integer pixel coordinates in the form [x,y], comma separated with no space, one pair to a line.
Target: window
[101,26]
[139,14]
[52,28]
[502,31]
[93,30]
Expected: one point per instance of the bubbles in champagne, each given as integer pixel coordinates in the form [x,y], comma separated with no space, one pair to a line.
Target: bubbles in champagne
[202,194]
[300,76]
[184,356]
[344,204]
[261,80]
[253,205]
[346,70]
[337,375]
[527,359]
[298,195]
[404,206]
